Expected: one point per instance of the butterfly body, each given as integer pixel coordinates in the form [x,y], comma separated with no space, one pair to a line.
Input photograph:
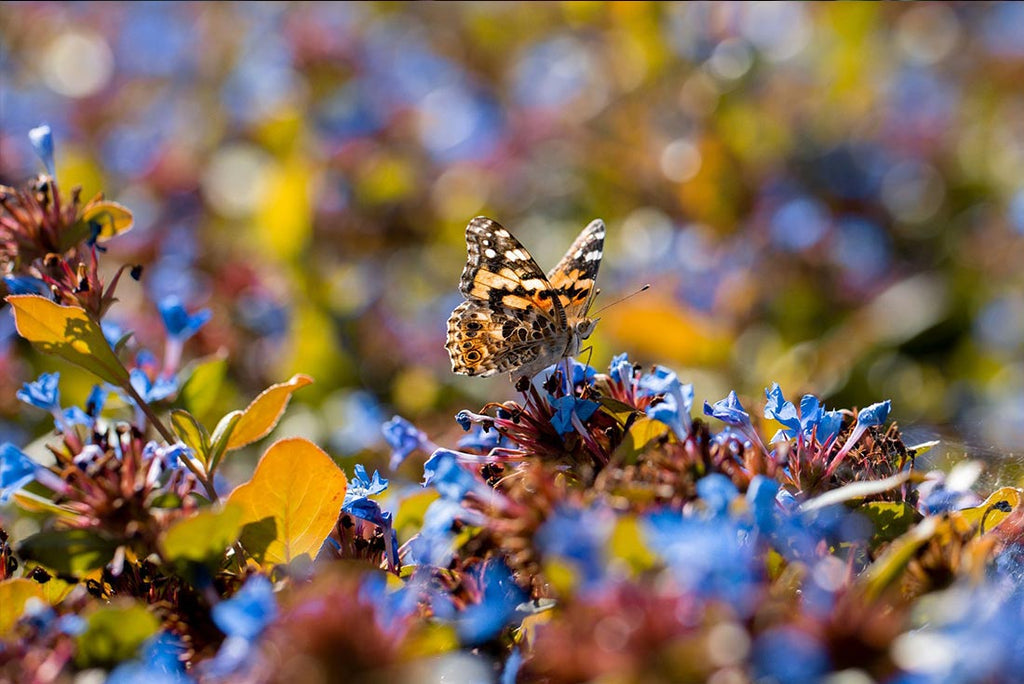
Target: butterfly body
[516,318]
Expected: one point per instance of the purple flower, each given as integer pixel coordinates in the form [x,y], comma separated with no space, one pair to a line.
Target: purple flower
[179,323]
[566,407]
[41,138]
[404,438]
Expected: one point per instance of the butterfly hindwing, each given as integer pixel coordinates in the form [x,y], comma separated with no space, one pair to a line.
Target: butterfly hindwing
[574,277]
[501,272]
[483,341]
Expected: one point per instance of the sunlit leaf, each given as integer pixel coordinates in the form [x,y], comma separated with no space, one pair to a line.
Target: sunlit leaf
[13,595]
[191,433]
[889,519]
[292,502]
[261,416]
[110,218]
[854,490]
[890,565]
[68,552]
[640,434]
[203,537]
[68,332]
[996,508]
[201,388]
[114,634]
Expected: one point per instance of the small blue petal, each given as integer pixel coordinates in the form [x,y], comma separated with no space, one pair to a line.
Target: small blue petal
[729,411]
[19,285]
[404,438]
[41,138]
[16,470]
[43,392]
[179,324]
[462,418]
[620,369]
[443,472]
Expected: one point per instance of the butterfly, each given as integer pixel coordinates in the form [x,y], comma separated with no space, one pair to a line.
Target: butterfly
[515,318]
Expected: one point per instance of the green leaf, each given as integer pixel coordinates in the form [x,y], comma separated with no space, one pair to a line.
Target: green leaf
[68,332]
[890,565]
[221,435]
[191,433]
[409,516]
[261,416]
[200,391]
[854,490]
[292,502]
[203,537]
[68,552]
[114,634]
[889,519]
[13,595]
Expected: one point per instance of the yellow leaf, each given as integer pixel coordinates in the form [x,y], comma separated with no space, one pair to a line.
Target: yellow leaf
[260,417]
[13,595]
[291,503]
[112,218]
[68,332]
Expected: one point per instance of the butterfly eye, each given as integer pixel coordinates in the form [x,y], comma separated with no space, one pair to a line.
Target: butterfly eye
[585,327]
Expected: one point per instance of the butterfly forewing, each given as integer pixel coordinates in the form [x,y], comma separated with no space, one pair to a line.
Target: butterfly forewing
[574,277]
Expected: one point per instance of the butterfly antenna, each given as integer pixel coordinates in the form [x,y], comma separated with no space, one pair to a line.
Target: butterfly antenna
[622,299]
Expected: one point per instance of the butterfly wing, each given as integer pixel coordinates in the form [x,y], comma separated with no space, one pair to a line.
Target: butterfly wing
[573,279]
[484,340]
[501,273]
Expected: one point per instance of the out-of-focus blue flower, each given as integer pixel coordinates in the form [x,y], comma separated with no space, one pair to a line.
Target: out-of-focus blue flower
[578,536]
[499,599]
[785,654]
[404,438]
[762,498]
[511,670]
[712,558]
[19,285]
[717,491]
[41,138]
[159,663]
[359,418]
[43,392]
[673,408]
[16,470]
[482,439]
[444,473]
[249,611]
[565,407]
[152,391]
[179,323]
[621,369]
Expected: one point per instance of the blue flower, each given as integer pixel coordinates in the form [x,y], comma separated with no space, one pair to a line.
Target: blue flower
[578,536]
[444,472]
[499,598]
[149,390]
[565,407]
[781,410]
[41,138]
[875,414]
[16,470]
[828,426]
[621,369]
[729,411]
[179,324]
[42,393]
[19,285]
[482,439]
[463,419]
[804,660]
[717,491]
[813,419]
[160,663]
[404,438]
[249,611]
[361,486]
[511,670]
[762,495]
[676,400]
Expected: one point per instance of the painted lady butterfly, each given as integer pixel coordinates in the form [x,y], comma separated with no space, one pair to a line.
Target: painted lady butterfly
[515,318]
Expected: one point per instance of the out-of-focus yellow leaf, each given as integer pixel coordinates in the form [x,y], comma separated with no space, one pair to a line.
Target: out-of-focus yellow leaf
[291,503]
[13,595]
[68,332]
[659,328]
[993,510]
[285,219]
[260,417]
[112,219]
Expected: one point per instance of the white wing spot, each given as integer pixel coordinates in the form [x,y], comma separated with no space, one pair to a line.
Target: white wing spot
[490,253]
[578,254]
[593,256]
[502,233]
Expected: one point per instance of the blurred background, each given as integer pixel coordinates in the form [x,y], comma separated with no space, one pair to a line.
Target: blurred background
[824,195]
